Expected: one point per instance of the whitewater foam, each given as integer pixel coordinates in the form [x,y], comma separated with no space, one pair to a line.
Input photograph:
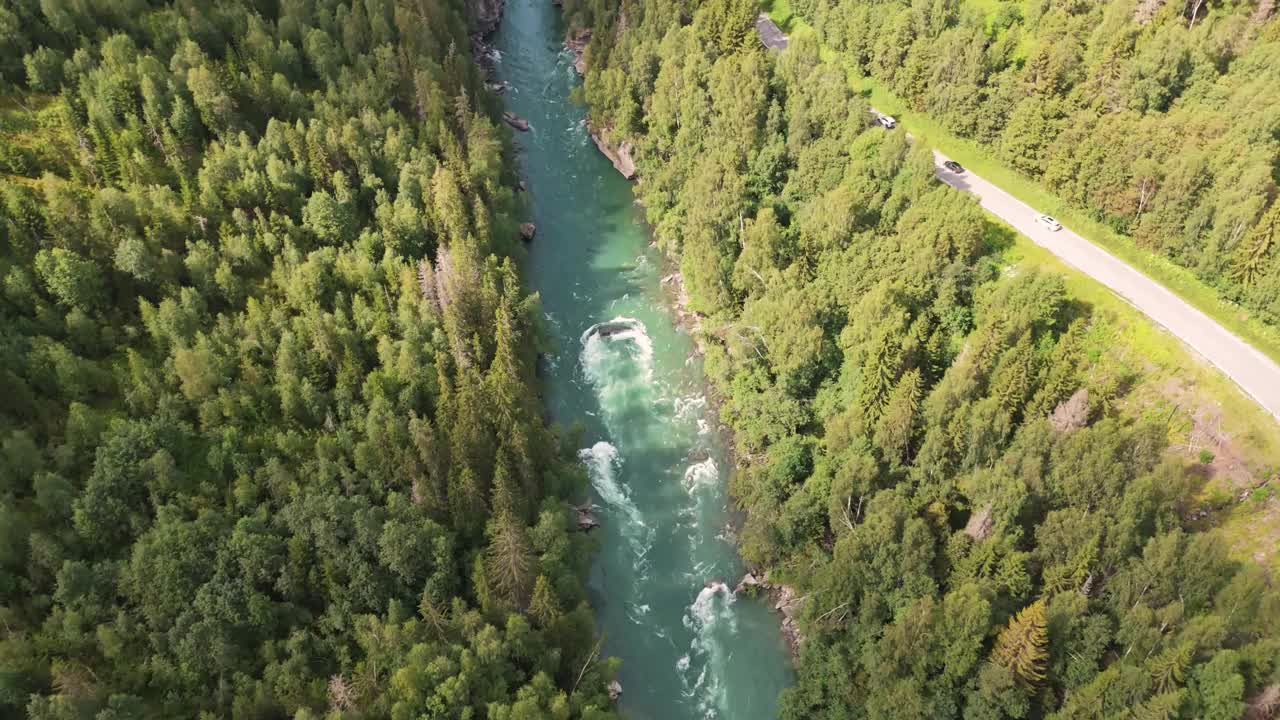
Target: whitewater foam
[618,329]
[602,462]
[700,475]
[710,616]
[617,361]
[689,407]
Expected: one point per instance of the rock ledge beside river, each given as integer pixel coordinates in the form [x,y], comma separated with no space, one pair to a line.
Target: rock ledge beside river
[577,44]
[784,600]
[485,14]
[619,155]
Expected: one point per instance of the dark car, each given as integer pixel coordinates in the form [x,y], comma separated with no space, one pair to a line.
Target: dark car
[953,166]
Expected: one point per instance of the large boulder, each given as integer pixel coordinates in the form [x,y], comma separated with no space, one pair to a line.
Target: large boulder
[619,155]
[515,121]
[586,519]
[748,581]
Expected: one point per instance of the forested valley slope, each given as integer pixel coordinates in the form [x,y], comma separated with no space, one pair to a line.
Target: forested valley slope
[270,439]
[938,452]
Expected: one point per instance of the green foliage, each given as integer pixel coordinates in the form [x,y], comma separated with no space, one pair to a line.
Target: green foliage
[268,375]
[931,452]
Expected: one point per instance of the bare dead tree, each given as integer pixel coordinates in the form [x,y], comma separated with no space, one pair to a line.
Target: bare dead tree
[1195,6]
[1146,189]
[342,694]
[595,653]
[427,283]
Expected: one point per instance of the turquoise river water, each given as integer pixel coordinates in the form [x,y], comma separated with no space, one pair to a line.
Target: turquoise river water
[662,582]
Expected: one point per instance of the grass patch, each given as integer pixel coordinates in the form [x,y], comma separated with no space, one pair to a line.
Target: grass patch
[780,12]
[979,159]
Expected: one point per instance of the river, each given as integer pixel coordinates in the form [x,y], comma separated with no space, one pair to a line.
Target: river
[662,581]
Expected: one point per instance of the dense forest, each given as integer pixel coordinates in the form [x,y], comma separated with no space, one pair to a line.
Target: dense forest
[270,441]
[1160,119]
[932,451]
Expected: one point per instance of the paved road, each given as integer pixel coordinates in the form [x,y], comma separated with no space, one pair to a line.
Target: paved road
[1255,373]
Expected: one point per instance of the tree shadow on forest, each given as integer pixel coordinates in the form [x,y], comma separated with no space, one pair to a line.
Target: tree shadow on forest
[997,238]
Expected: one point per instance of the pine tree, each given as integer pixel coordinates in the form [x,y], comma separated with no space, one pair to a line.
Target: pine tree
[509,561]
[505,379]
[434,616]
[1022,646]
[544,607]
[1016,376]
[467,502]
[895,427]
[1164,706]
[1255,254]
[1169,667]
[505,496]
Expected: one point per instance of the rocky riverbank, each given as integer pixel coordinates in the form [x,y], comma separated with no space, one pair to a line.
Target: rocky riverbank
[485,15]
[619,154]
[577,44]
[783,599]
[686,318]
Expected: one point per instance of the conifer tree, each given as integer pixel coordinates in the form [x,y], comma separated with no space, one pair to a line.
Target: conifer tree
[509,560]
[1169,667]
[1023,646]
[544,607]
[1164,706]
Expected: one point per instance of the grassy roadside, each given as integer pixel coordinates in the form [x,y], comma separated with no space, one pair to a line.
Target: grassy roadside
[1191,395]
[1180,280]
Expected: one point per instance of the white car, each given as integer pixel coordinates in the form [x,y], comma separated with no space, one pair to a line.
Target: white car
[887,122]
[1049,222]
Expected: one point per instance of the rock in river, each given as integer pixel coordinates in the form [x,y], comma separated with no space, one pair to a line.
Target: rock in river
[527,231]
[516,121]
[748,581]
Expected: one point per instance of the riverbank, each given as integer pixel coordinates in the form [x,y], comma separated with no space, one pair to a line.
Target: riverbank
[661,581]
[783,600]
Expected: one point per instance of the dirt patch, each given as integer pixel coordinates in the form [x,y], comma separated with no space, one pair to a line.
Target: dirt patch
[1071,414]
[1146,10]
[1206,440]
[1239,493]
[980,522]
